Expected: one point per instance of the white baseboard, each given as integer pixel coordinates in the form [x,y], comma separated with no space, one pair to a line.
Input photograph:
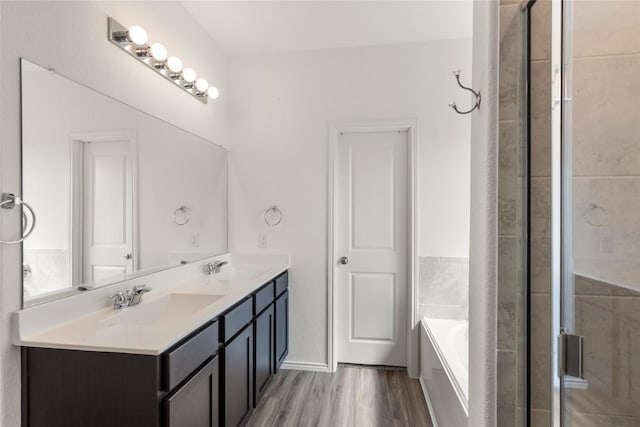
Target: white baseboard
[306,366]
[432,414]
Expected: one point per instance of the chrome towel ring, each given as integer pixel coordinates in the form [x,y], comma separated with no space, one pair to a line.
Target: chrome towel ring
[273,216]
[9,201]
[478,98]
[181,215]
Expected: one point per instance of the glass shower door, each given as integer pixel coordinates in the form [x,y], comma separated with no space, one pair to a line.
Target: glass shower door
[598,193]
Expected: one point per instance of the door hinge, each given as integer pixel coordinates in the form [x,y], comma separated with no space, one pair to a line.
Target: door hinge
[571,355]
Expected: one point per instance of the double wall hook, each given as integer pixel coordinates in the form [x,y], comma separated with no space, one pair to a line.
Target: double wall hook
[476,94]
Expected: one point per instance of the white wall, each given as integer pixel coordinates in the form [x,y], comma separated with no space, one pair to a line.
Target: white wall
[72,38]
[281,106]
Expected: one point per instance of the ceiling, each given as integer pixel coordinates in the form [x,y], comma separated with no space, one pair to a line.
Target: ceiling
[254,27]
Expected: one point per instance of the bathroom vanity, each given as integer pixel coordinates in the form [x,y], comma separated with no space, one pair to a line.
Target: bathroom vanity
[214,374]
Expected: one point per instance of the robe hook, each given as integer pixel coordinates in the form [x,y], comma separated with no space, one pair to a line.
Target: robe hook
[453,105]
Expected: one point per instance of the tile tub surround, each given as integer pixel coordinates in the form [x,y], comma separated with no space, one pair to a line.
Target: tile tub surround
[444,287]
[84,322]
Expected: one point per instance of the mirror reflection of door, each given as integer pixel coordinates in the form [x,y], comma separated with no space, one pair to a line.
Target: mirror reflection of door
[102,205]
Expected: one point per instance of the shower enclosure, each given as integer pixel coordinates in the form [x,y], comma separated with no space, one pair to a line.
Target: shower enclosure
[584,278]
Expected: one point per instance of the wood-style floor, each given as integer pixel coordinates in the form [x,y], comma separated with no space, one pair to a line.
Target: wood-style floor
[352,397]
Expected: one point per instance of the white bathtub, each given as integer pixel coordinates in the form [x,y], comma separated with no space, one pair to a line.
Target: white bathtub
[444,369]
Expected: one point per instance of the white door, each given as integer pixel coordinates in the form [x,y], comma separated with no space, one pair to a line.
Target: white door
[371,235]
[107,209]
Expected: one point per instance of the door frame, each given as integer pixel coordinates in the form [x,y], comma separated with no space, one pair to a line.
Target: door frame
[335,129]
[76,178]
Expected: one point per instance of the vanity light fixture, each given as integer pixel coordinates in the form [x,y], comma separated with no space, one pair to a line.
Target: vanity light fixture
[133,40]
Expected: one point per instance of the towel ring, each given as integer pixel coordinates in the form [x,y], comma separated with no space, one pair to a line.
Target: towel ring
[273,216]
[9,201]
[596,216]
[183,212]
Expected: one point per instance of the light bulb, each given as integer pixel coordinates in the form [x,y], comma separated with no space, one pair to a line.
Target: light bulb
[202,85]
[188,75]
[212,92]
[174,64]
[158,52]
[137,35]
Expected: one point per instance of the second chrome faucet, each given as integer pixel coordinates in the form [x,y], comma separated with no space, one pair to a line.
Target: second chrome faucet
[214,267]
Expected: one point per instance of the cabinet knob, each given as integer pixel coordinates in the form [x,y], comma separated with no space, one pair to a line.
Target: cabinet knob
[343,260]
[128,256]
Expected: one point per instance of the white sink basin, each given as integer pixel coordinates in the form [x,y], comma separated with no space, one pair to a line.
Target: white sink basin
[163,310]
[240,273]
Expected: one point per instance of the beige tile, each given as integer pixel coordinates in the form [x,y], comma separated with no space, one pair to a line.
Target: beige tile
[593,420]
[540,313]
[540,119]
[610,328]
[616,235]
[507,178]
[511,66]
[541,30]
[540,418]
[605,27]
[606,125]
[540,380]
[507,291]
[540,235]
[587,286]
[540,266]
[506,393]
[540,207]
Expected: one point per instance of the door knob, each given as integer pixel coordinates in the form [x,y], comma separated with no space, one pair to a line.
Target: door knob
[128,256]
[343,260]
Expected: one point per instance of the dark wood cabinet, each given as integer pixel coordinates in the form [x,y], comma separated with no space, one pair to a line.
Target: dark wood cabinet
[238,379]
[281,329]
[264,327]
[195,403]
[215,376]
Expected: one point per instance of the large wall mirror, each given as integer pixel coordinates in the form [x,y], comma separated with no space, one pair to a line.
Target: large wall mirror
[116,192]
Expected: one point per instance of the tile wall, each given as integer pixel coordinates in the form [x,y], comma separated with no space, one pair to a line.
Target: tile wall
[444,288]
[540,214]
[512,155]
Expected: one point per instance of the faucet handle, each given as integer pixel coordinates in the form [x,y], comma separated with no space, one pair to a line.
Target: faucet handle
[118,296]
[120,300]
[142,289]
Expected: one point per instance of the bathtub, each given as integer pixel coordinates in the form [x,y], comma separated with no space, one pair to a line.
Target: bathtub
[444,370]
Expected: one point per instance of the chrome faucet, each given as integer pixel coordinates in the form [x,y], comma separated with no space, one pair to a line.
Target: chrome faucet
[129,297]
[214,267]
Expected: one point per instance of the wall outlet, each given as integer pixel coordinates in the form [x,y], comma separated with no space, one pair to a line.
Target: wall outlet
[262,241]
[195,240]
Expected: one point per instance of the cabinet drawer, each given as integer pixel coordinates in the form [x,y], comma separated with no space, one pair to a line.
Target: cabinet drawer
[264,297]
[282,283]
[195,404]
[180,362]
[238,318]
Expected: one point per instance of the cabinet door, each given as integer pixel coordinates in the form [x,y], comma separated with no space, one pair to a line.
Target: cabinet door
[282,328]
[238,379]
[265,350]
[195,404]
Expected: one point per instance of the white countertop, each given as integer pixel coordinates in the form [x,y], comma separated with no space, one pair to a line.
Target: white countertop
[109,330]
